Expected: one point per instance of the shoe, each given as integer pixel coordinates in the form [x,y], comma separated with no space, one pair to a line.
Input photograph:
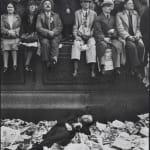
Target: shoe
[133,73]
[139,76]
[28,68]
[75,74]
[15,67]
[53,61]
[5,69]
[48,64]
[117,71]
[92,74]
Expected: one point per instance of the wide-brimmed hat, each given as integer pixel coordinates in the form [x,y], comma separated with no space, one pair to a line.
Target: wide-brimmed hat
[107,2]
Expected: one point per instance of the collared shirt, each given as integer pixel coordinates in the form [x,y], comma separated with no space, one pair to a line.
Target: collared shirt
[85,12]
[84,17]
[107,15]
[48,14]
[49,20]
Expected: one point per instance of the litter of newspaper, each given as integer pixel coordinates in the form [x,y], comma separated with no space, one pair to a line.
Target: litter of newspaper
[76,147]
[17,134]
[101,126]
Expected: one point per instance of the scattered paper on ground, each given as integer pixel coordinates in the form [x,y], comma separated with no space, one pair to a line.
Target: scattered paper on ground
[116,135]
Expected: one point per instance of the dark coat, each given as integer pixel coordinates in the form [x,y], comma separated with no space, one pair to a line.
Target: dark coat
[27,26]
[62,5]
[140,6]
[60,135]
[42,25]
[102,25]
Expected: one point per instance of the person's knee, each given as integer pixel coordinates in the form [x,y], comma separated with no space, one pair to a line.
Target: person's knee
[77,43]
[91,42]
[101,46]
[118,47]
[44,42]
[131,46]
[141,45]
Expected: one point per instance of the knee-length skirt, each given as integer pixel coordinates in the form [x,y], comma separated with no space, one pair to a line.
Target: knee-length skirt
[9,44]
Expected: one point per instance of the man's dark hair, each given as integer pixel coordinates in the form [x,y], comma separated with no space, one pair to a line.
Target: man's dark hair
[123,3]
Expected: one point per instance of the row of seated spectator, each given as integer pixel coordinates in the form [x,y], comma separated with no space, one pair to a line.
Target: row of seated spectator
[94,34]
[67,8]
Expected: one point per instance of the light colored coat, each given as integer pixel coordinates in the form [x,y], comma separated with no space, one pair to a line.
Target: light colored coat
[5,26]
[79,44]
[122,24]
[78,21]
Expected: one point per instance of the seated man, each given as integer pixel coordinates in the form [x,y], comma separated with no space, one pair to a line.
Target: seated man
[49,28]
[106,37]
[128,27]
[83,33]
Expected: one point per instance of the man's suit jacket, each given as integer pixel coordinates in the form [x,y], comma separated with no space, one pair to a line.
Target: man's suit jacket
[42,25]
[102,25]
[78,20]
[122,24]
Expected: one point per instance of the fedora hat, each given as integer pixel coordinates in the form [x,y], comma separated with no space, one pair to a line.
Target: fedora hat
[107,2]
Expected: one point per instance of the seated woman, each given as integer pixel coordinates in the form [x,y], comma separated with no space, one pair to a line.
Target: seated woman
[10,28]
[128,27]
[106,37]
[49,28]
[84,40]
[29,36]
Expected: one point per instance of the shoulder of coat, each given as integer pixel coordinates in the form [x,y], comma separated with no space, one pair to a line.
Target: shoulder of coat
[3,16]
[78,11]
[17,16]
[93,12]
[98,18]
[135,12]
[120,13]
[41,14]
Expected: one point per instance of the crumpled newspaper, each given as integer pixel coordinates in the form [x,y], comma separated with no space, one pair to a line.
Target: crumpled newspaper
[18,134]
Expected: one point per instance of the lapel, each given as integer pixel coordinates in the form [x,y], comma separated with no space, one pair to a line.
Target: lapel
[103,17]
[125,18]
[15,22]
[48,23]
[80,17]
[106,20]
[89,18]
[5,20]
[134,21]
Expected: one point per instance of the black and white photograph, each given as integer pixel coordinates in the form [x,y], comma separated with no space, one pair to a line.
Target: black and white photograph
[74,74]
